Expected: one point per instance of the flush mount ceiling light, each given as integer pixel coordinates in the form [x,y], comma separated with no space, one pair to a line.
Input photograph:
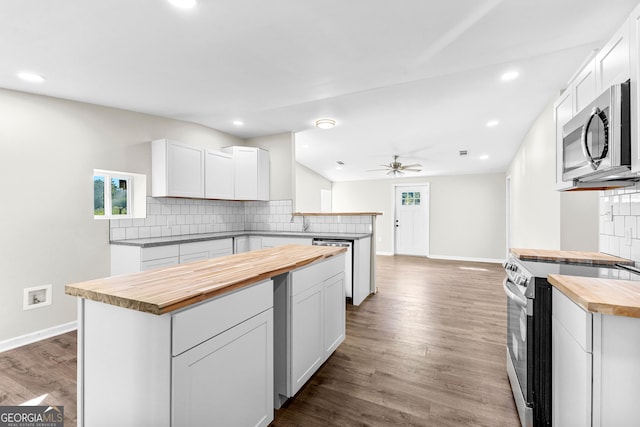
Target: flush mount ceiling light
[509,75]
[484,157]
[492,123]
[325,123]
[183,4]
[31,77]
[238,122]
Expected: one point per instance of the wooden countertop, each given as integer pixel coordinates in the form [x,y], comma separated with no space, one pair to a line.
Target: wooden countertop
[167,289]
[604,296]
[577,257]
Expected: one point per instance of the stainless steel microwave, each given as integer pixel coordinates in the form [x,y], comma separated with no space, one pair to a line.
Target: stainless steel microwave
[596,142]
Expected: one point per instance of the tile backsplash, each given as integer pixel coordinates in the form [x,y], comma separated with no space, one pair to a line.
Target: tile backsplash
[620,222]
[171,217]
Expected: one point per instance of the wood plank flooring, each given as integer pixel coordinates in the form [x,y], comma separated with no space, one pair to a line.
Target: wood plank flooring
[427,350]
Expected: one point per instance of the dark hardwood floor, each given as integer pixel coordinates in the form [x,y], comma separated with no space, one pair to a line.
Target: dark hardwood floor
[427,350]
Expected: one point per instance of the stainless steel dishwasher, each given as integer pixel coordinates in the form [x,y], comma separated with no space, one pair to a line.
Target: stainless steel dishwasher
[348,261]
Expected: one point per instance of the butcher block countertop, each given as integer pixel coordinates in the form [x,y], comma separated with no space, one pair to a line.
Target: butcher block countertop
[604,296]
[576,257]
[167,289]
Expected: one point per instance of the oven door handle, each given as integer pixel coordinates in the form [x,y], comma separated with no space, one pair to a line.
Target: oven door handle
[514,296]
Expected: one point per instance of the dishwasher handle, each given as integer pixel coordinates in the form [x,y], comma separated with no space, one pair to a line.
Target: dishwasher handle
[515,296]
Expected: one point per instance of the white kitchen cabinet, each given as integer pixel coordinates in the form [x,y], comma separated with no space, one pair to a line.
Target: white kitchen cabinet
[130,259]
[595,368]
[613,60]
[584,87]
[563,112]
[634,48]
[219,175]
[274,241]
[334,313]
[177,169]
[209,361]
[572,363]
[228,378]
[247,244]
[251,172]
[309,324]
[206,249]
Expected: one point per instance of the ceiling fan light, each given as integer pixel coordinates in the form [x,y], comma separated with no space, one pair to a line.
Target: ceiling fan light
[325,123]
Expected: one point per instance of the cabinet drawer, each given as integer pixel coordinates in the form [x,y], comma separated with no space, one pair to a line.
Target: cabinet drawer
[305,277]
[199,323]
[206,246]
[158,263]
[157,252]
[574,319]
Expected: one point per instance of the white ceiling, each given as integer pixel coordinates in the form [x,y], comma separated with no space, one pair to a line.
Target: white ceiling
[418,78]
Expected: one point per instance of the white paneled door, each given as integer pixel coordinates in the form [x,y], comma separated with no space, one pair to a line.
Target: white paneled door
[411,223]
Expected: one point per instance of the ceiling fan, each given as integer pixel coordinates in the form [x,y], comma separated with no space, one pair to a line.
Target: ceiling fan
[397,168]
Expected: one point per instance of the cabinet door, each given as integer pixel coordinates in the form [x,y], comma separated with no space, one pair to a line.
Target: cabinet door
[219,175]
[563,111]
[334,314]
[307,352]
[612,61]
[246,173]
[361,270]
[227,380]
[571,363]
[177,169]
[584,87]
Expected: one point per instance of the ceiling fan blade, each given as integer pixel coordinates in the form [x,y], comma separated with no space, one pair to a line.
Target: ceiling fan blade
[376,170]
[413,165]
[412,170]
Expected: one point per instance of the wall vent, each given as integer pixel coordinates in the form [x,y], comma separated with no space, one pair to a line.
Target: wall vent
[464,152]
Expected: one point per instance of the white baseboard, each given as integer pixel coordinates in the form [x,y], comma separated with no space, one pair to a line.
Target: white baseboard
[457,258]
[36,336]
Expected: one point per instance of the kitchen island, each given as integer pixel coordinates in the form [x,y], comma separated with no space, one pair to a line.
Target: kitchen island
[195,344]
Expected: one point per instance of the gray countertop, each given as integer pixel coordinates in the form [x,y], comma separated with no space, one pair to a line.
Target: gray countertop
[189,238]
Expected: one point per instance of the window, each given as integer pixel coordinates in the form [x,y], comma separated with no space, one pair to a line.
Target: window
[112,194]
[411,198]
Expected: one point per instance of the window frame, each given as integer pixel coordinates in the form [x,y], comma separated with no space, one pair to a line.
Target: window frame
[108,203]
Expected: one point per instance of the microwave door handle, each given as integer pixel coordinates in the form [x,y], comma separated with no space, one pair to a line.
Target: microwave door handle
[519,300]
[585,148]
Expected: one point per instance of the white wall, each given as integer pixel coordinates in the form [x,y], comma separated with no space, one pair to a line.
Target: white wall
[308,186]
[542,217]
[467,212]
[48,150]
[282,171]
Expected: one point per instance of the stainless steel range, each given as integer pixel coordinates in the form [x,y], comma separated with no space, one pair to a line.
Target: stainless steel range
[529,330]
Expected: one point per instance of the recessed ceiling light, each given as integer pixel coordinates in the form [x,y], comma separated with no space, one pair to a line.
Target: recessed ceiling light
[31,77]
[238,122]
[183,4]
[509,75]
[492,123]
[325,123]
[484,157]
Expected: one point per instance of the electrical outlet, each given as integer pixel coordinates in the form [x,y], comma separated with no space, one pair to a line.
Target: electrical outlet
[38,296]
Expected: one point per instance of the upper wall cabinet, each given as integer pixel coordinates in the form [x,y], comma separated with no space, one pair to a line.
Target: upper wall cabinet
[218,175]
[583,89]
[634,47]
[177,169]
[613,60]
[251,166]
